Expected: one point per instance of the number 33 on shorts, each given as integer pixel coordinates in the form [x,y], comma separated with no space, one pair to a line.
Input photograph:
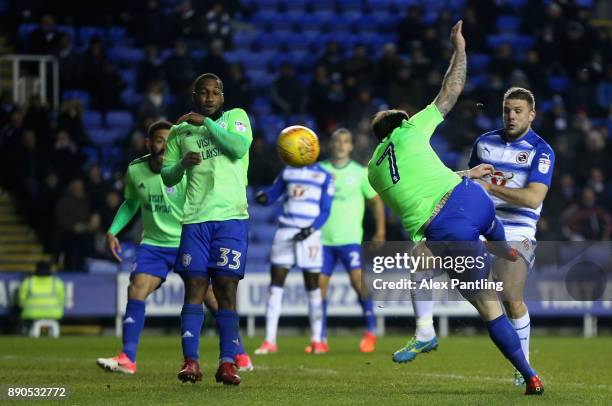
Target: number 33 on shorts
[224,254]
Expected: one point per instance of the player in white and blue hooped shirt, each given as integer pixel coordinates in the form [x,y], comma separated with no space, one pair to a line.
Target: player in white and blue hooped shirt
[307,197]
[523,164]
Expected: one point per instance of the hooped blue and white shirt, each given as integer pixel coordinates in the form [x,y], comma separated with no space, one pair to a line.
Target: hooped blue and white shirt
[517,163]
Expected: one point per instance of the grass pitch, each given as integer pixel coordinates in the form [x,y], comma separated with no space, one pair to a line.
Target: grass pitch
[464,370]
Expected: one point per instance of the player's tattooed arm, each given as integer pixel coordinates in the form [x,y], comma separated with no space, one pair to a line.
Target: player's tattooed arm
[454,79]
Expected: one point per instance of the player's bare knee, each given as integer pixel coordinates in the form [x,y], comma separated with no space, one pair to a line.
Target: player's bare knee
[355,277]
[515,308]
[324,284]
[195,290]
[141,286]
[311,280]
[278,275]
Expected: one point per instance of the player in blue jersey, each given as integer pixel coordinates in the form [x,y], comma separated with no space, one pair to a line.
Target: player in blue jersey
[308,194]
[523,164]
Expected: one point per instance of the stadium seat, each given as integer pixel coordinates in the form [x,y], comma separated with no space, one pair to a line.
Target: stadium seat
[126,56]
[339,23]
[323,6]
[244,39]
[260,78]
[87,33]
[508,24]
[117,35]
[268,41]
[119,119]
[129,76]
[130,98]
[92,119]
[297,42]
[558,83]
[80,95]
[261,106]
[267,5]
[68,29]
[478,62]
[25,29]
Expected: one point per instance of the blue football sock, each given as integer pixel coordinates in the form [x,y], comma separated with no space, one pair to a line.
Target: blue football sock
[504,336]
[324,326]
[133,322]
[368,313]
[240,349]
[192,318]
[496,232]
[227,324]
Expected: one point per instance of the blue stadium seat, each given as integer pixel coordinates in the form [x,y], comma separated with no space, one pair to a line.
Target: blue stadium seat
[68,29]
[130,98]
[295,42]
[261,106]
[260,78]
[80,95]
[366,23]
[126,56]
[87,33]
[25,29]
[269,41]
[117,35]
[339,23]
[92,155]
[313,22]
[129,76]
[508,24]
[268,5]
[350,7]
[244,39]
[119,119]
[92,119]
[478,62]
[326,6]
[558,83]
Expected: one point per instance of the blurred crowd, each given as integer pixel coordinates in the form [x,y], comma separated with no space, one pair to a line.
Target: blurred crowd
[71,200]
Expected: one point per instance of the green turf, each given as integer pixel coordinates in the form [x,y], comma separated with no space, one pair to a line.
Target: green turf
[464,371]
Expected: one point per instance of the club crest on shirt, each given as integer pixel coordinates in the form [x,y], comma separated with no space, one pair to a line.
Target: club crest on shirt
[240,126]
[544,163]
[522,157]
[500,178]
[170,190]
[223,125]
[186,260]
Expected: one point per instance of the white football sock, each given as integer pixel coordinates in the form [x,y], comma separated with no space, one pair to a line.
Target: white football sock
[423,304]
[273,311]
[523,329]
[315,314]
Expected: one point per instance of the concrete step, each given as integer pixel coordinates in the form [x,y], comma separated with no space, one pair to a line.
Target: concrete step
[17,237]
[23,257]
[21,248]
[18,267]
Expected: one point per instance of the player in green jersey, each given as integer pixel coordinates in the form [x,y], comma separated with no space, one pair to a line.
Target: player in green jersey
[161,210]
[434,202]
[210,148]
[343,232]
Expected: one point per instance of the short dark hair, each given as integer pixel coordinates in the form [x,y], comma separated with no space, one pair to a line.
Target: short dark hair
[520,93]
[158,125]
[384,122]
[206,76]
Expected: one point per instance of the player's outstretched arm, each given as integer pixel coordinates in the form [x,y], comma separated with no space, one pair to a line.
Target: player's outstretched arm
[269,195]
[455,77]
[126,212]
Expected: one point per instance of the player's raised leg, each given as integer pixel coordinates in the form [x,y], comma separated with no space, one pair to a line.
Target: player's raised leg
[278,274]
[141,286]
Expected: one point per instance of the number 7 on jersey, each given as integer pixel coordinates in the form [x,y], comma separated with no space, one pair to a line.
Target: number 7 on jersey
[390,153]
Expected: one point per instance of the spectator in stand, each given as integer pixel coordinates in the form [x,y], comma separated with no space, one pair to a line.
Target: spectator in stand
[582,93]
[153,104]
[66,158]
[604,92]
[135,149]
[597,183]
[46,202]
[287,92]
[179,69]
[332,58]
[71,120]
[360,106]
[151,69]
[586,221]
[388,65]
[410,28]
[107,88]
[97,188]
[28,165]
[150,25]
[215,62]
[93,60]
[189,25]
[70,62]
[111,202]
[45,39]
[72,217]
[318,96]
[357,70]
[218,24]
[503,62]
[237,89]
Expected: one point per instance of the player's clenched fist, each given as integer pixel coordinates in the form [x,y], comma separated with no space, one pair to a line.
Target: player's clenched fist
[191,118]
[456,37]
[191,159]
[481,171]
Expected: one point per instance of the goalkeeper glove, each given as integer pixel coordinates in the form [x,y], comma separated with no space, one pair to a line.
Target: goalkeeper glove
[303,234]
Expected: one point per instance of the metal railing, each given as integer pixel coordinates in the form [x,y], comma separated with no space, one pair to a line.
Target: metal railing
[21,93]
